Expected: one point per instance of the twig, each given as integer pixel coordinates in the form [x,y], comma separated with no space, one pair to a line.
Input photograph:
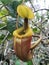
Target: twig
[17,21]
[4,16]
[1,7]
[41,10]
[3,27]
[32,5]
[2,43]
[6,8]
[0,4]
[42,30]
[37,10]
[39,28]
[5,37]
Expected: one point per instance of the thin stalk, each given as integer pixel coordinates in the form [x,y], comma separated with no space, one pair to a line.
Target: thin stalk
[41,10]
[3,27]
[25,26]
[4,16]
[5,37]
[2,44]
[25,23]
[17,21]
[32,4]
[1,7]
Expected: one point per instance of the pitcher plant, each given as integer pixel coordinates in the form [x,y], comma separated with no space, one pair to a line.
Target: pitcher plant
[23,35]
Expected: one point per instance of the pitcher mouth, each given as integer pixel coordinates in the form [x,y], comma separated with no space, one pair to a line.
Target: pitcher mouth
[24,34]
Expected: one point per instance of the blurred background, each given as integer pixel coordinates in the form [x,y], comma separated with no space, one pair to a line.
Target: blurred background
[39,25]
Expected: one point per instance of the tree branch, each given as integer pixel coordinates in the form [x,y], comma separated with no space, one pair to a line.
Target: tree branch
[4,16]
[1,7]
[0,4]
[41,10]
[5,37]
[3,27]
[32,5]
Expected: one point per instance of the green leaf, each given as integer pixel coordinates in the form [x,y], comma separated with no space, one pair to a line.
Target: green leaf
[26,0]
[30,62]
[15,4]
[48,14]
[10,36]
[38,16]
[6,1]
[2,36]
[2,24]
[4,19]
[17,62]
[4,11]
[0,41]
[11,6]
[11,26]
[11,10]
[36,30]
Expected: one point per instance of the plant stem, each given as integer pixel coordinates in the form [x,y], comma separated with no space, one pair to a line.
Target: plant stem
[17,21]
[3,27]
[5,37]
[41,10]
[25,23]
[25,26]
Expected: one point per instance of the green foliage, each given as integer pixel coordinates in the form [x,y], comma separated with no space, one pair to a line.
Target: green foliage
[4,19]
[15,4]
[36,30]
[11,26]
[17,62]
[3,11]
[9,36]
[0,41]
[26,0]
[6,1]
[11,11]
[30,62]
[38,16]
[2,24]
[2,36]
[11,6]
[48,14]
